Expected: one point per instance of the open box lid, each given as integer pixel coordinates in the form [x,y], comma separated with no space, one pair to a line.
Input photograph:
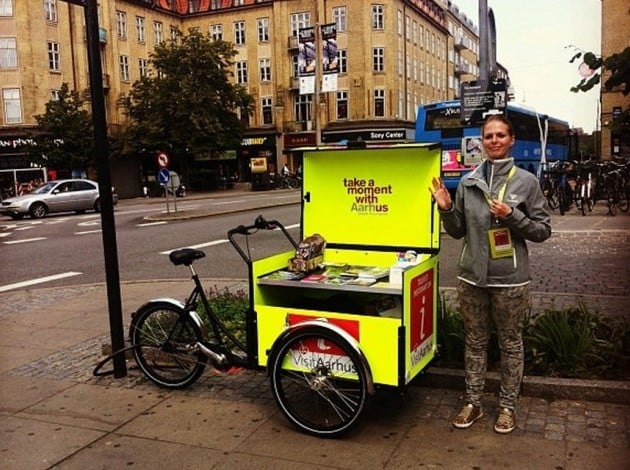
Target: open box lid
[374,198]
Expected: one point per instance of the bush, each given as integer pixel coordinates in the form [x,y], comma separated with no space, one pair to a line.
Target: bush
[571,343]
[574,343]
[230,307]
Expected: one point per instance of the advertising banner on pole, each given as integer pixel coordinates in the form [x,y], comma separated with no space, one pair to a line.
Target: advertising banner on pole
[330,61]
[307,60]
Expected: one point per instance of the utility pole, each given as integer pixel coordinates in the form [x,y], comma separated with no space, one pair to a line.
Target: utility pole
[484,59]
[101,152]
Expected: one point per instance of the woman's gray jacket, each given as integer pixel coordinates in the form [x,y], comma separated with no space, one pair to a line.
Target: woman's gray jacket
[470,217]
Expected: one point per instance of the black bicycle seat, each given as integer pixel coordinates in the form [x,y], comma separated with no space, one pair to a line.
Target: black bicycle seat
[185,256]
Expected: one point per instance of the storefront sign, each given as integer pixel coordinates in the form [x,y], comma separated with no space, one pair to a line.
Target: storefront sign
[299,140]
[379,135]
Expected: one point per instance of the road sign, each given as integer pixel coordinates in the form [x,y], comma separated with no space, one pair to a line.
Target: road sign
[162,160]
[163,176]
[481,98]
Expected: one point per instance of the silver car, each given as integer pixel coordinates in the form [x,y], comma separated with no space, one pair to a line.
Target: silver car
[76,195]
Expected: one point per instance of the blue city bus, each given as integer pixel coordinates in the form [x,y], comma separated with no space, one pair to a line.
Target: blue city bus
[461,144]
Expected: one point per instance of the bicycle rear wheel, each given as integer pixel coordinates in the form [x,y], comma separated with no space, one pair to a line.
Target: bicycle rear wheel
[322,393]
[165,345]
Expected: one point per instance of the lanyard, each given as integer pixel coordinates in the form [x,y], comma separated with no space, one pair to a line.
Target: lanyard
[503,188]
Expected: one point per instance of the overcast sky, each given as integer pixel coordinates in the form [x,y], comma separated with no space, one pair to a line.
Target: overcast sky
[531,40]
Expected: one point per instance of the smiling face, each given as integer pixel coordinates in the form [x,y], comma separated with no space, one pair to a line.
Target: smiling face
[497,139]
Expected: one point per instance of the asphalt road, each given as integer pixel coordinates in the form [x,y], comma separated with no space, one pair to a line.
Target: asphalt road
[585,255]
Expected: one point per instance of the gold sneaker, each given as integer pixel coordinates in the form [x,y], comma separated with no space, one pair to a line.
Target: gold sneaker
[467,416]
[506,421]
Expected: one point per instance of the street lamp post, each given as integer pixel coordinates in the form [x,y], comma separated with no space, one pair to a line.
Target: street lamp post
[101,151]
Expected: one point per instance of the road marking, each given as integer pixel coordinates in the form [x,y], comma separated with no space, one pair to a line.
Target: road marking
[26,240]
[40,280]
[87,224]
[288,227]
[87,232]
[5,234]
[26,227]
[150,224]
[201,245]
[228,202]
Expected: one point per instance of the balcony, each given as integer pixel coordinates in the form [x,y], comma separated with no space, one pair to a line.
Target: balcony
[298,126]
[460,69]
[461,43]
[294,83]
[293,43]
[106,81]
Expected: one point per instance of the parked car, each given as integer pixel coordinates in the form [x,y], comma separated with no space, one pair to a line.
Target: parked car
[78,195]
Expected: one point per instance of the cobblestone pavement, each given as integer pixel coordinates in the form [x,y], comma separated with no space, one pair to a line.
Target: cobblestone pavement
[605,424]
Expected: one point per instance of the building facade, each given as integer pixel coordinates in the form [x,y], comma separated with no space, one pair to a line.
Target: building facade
[615,38]
[393,55]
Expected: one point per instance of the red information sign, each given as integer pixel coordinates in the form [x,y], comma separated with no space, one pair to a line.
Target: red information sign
[421,313]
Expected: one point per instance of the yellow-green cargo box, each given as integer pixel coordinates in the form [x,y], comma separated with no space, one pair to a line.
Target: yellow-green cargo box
[370,205]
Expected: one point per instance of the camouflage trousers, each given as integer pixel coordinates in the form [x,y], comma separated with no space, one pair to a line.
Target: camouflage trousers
[508,307]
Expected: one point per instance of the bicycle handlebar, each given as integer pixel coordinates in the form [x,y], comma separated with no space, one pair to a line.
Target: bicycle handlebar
[260,223]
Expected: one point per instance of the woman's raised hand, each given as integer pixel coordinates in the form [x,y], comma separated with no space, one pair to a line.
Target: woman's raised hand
[440,194]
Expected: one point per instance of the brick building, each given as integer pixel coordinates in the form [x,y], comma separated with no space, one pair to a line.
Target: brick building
[615,38]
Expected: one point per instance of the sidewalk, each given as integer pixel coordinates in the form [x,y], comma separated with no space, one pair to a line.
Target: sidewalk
[55,414]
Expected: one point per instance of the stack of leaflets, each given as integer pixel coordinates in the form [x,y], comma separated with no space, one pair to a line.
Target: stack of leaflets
[373,273]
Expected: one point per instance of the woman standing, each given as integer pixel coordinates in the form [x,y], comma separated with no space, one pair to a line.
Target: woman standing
[497,208]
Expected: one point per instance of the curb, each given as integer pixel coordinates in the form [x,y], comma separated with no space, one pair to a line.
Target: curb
[549,388]
[187,215]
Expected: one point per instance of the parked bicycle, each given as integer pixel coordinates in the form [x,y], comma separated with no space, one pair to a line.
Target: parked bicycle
[172,343]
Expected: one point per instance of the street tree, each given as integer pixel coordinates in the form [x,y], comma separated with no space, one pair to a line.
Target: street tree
[64,139]
[187,104]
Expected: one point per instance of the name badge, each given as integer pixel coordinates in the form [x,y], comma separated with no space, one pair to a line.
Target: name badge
[500,243]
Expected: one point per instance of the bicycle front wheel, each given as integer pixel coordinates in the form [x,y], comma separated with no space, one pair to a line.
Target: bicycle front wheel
[165,345]
[319,382]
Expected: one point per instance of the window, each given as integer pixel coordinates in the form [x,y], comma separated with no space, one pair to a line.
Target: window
[342,104]
[6,8]
[239,33]
[54,58]
[121,24]
[399,22]
[378,59]
[265,70]
[8,53]
[267,110]
[378,17]
[379,102]
[302,107]
[295,65]
[342,55]
[216,31]
[143,67]
[123,62]
[12,105]
[241,72]
[140,31]
[174,32]
[263,29]
[400,63]
[299,20]
[340,18]
[158,33]
[50,10]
